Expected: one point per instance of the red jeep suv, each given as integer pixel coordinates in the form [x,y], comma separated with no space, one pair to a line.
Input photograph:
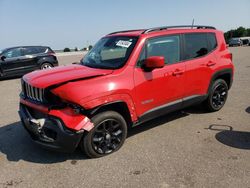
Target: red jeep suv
[129,77]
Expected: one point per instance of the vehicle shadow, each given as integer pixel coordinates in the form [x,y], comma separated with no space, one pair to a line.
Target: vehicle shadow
[156,122]
[248,110]
[17,145]
[229,137]
[10,78]
[196,109]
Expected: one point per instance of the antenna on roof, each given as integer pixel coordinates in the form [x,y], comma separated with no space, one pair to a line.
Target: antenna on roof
[192,23]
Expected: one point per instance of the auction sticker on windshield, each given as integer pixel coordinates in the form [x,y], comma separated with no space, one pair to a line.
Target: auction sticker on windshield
[123,43]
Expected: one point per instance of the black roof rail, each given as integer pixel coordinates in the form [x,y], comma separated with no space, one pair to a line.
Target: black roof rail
[125,31]
[178,26]
[144,31]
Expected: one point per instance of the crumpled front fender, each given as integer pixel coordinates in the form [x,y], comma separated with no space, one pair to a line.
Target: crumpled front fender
[72,119]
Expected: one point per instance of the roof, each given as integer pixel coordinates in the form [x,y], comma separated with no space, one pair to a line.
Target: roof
[24,47]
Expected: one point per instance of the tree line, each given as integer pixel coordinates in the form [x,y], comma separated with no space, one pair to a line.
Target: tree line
[76,49]
[239,32]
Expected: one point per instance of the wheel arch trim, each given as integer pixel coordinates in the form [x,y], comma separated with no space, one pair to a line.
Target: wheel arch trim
[220,73]
[107,101]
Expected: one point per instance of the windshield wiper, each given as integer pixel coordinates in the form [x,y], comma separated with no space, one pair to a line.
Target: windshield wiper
[96,66]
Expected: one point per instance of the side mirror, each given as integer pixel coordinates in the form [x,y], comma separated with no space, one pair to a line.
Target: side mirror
[153,62]
[3,58]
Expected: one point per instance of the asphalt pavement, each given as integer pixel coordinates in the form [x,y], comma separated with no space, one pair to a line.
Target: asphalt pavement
[188,148]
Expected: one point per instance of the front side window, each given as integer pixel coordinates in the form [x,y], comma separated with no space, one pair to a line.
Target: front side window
[195,45]
[110,52]
[167,46]
[11,53]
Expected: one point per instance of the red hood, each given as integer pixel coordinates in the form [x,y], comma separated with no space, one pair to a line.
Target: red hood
[57,75]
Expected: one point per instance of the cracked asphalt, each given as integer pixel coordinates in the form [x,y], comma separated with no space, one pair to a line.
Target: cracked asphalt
[188,148]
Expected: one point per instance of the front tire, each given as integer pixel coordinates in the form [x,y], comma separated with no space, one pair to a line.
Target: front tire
[217,95]
[107,136]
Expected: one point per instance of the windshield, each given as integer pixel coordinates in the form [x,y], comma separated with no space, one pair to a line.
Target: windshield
[110,52]
[3,50]
[235,40]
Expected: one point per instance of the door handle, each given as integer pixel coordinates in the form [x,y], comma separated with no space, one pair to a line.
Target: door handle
[211,63]
[177,72]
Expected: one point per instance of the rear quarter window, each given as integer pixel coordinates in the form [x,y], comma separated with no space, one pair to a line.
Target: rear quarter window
[212,41]
[41,49]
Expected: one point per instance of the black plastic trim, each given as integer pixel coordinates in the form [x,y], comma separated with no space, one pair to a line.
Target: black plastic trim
[221,73]
[125,31]
[160,110]
[194,99]
[65,141]
[178,26]
[94,110]
[170,107]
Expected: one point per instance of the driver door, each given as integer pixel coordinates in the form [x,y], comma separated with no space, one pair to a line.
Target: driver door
[11,64]
[161,90]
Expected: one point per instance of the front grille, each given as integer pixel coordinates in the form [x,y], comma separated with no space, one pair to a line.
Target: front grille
[33,93]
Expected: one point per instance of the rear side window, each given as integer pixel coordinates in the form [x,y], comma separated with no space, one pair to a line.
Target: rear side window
[29,51]
[196,45]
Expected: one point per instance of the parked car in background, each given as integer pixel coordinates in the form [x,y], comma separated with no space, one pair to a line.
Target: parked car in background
[235,42]
[245,42]
[17,61]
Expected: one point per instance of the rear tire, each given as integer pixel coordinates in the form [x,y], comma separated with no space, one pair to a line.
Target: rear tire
[107,136]
[217,95]
[46,66]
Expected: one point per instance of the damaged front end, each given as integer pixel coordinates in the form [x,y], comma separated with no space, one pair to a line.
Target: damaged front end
[50,121]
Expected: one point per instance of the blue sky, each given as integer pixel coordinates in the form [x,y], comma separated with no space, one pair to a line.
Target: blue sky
[76,23]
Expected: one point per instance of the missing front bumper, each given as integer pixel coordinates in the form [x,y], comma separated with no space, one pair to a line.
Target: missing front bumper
[52,133]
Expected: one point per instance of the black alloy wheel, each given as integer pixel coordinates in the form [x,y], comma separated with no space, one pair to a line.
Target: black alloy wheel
[107,136]
[217,95]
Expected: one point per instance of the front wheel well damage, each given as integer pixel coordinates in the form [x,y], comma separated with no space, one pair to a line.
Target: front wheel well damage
[119,107]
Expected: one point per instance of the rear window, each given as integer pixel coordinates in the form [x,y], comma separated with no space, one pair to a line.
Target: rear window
[196,45]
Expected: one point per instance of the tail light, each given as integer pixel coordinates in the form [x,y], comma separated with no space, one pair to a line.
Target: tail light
[230,55]
[51,53]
